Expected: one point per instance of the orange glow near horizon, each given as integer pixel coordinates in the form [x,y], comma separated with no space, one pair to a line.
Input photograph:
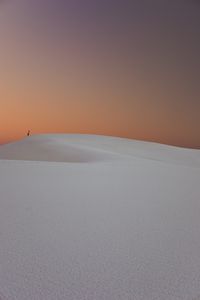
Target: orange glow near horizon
[76,76]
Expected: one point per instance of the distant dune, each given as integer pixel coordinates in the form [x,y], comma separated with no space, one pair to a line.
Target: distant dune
[85,217]
[52,148]
[92,148]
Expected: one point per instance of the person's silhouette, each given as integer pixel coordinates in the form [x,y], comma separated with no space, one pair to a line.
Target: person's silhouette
[28,133]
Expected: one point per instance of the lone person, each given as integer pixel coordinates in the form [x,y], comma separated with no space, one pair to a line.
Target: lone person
[28,133]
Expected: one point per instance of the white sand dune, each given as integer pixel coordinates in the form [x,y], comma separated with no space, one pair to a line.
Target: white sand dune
[52,148]
[91,148]
[87,217]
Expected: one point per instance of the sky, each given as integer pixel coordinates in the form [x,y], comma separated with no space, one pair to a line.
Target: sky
[128,68]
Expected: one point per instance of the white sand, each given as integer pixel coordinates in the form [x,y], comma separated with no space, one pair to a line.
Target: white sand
[92,218]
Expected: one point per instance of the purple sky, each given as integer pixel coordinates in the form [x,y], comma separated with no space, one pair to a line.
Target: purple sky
[128,68]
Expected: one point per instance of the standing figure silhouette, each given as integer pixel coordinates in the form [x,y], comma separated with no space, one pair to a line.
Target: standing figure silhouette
[28,133]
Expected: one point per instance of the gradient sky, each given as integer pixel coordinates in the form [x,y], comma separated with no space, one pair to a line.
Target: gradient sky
[129,68]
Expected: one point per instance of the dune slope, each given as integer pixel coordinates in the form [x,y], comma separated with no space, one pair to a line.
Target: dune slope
[93,217]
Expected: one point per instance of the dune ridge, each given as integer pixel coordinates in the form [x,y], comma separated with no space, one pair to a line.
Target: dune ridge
[77,148]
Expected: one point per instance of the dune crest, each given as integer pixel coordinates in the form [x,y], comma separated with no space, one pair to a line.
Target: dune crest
[82,148]
[54,149]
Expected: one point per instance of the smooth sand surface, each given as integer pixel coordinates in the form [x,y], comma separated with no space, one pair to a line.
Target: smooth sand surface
[86,217]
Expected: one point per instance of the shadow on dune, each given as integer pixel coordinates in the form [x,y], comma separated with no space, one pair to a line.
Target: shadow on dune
[54,150]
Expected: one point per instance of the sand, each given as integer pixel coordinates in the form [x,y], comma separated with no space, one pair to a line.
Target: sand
[85,217]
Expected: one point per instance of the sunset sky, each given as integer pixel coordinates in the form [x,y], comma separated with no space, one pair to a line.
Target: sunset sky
[127,68]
